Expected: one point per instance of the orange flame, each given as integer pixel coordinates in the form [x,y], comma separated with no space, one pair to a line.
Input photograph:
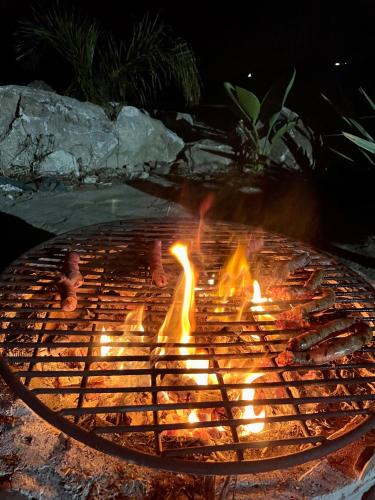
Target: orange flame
[248,395]
[180,318]
[134,320]
[235,277]
[180,251]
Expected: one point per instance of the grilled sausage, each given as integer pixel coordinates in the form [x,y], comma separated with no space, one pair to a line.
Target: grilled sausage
[319,333]
[330,350]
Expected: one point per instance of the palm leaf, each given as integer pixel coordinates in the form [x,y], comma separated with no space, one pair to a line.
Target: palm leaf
[105,69]
[362,143]
[369,100]
[341,154]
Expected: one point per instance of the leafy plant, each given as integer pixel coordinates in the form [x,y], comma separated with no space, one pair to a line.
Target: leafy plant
[263,124]
[105,69]
[365,141]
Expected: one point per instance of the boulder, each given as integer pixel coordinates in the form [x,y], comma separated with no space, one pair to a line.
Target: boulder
[41,85]
[58,163]
[38,127]
[205,158]
[142,139]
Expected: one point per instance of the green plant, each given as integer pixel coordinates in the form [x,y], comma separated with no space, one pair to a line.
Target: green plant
[105,69]
[365,141]
[263,125]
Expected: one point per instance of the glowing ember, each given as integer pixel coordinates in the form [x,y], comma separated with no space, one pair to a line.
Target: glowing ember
[248,395]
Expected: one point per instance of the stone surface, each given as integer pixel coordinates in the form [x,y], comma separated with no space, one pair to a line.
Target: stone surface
[58,163]
[36,123]
[185,117]
[142,139]
[61,212]
[205,157]
[41,85]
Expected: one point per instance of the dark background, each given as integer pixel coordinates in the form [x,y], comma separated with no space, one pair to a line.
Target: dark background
[230,40]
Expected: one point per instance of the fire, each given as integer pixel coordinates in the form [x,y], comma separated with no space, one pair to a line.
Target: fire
[104,349]
[180,251]
[248,395]
[193,417]
[134,320]
[180,318]
[235,277]
[236,280]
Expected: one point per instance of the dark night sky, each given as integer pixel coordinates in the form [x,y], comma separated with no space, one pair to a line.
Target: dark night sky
[232,39]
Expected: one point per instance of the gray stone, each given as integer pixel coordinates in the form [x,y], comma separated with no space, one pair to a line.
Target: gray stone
[207,157]
[6,181]
[250,190]
[176,121]
[37,123]
[185,117]
[90,179]
[41,85]
[142,139]
[144,175]
[58,163]
[10,188]
[163,168]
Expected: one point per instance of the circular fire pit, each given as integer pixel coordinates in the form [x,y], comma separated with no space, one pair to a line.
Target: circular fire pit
[133,373]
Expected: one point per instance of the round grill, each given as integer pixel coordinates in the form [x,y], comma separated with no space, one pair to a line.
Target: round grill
[117,401]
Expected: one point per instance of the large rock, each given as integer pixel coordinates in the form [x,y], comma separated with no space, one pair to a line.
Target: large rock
[58,163]
[37,126]
[206,158]
[142,139]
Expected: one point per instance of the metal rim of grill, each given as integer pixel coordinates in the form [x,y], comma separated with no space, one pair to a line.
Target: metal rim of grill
[115,281]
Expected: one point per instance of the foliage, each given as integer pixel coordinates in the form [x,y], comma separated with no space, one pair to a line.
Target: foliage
[105,69]
[365,141]
[263,123]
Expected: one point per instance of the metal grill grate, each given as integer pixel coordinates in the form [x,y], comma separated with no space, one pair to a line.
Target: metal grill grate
[117,403]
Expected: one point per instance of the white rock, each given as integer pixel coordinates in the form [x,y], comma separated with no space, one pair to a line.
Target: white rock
[34,124]
[9,188]
[142,139]
[185,117]
[207,157]
[90,179]
[58,163]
